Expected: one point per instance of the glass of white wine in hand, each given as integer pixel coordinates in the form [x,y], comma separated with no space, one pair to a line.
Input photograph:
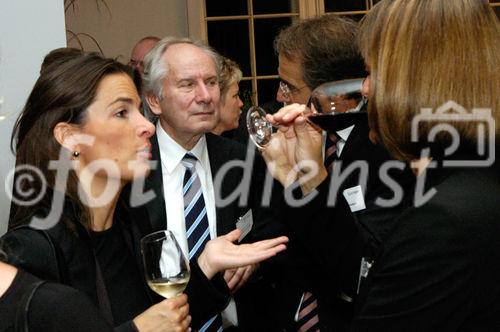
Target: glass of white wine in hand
[166,266]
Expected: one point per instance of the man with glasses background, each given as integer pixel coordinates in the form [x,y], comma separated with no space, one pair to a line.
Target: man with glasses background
[318,294]
[314,52]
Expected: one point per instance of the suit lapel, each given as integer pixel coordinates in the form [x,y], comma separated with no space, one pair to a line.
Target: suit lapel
[218,154]
[352,145]
[154,182]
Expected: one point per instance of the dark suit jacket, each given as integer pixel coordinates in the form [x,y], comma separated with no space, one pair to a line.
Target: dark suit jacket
[64,254]
[253,312]
[438,269]
[329,240]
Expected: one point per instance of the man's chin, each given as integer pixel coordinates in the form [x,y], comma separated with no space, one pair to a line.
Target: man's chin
[203,128]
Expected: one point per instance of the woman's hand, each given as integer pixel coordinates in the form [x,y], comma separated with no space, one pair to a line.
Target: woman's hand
[167,316]
[221,253]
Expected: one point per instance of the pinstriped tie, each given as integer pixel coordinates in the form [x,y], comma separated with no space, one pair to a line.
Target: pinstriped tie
[330,150]
[308,311]
[197,229]
[308,314]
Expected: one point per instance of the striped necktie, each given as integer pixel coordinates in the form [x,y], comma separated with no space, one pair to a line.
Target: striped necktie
[308,311]
[308,314]
[330,150]
[197,229]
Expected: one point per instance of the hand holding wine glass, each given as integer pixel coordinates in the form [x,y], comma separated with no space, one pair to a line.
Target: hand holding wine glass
[334,106]
[171,315]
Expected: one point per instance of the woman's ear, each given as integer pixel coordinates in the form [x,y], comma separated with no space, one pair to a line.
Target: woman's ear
[65,134]
[154,104]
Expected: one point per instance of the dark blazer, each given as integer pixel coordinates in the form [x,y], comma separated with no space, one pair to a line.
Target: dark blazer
[330,239]
[64,254]
[220,151]
[253,312]
[438,269]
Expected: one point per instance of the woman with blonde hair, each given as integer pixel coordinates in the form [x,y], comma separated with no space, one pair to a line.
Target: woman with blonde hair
[431,62]
[230,102]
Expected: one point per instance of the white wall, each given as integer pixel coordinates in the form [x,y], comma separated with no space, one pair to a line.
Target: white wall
[127,21]
[29,29]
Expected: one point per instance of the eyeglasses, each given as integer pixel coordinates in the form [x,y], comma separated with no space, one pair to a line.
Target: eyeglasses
[288,90]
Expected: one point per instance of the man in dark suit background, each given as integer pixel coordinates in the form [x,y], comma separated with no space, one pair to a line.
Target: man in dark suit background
[181,87]
[324,258]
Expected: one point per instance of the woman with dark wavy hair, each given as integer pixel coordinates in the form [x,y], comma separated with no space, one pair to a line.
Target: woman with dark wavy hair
[83,130]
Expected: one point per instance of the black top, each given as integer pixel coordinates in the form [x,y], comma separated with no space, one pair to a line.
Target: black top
[120,273]
[53,307]
[439,268]
[65,254]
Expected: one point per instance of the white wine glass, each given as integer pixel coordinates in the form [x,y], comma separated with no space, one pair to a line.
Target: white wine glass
[165,265]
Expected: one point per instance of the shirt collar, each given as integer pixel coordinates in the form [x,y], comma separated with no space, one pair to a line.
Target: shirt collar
[171,152]
[344,133]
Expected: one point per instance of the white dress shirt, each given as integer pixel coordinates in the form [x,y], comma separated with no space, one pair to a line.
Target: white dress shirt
[343,135]
[173,170]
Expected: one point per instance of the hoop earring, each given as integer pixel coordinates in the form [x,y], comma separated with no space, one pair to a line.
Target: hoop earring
[76,154]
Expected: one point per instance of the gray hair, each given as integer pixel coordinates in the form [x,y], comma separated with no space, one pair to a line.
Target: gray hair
[156,70]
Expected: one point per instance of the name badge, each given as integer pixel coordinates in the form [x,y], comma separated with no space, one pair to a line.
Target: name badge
[244,224]
[355,198]
[364,269]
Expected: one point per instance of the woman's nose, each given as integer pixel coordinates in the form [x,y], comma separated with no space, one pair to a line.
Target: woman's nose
[365,88]
[145,127]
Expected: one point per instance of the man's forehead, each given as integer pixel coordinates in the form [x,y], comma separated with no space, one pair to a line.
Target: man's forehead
[290,70]
[188,61]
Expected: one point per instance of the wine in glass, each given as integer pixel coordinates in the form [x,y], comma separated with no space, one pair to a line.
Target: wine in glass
[335,105]
[338,105]
[166,266]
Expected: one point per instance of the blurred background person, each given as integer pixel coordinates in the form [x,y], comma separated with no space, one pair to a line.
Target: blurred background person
[141,48]
[230,103]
